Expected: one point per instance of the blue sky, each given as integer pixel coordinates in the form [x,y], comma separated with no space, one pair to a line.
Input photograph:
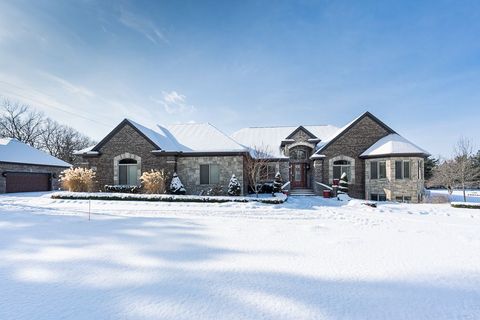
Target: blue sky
[414,64]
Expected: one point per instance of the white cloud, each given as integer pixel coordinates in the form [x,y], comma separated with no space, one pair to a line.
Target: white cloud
[173,102]
[142,25]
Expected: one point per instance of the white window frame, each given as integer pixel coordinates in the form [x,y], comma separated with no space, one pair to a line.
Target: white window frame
[211,179]
[403,169]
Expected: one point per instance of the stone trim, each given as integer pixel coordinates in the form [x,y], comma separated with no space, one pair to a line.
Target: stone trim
[122,156]
[352,168]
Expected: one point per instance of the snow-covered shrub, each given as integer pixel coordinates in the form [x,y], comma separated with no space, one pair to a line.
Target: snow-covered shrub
[277,183]
[343,185]
[153,181]
[176,186]
[234,188]
[78,179]
[121,188]
[216,190]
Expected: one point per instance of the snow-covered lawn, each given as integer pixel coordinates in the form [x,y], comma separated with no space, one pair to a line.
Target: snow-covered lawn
[308,258]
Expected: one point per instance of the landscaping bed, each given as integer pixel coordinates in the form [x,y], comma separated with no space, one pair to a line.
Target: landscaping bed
[278,199]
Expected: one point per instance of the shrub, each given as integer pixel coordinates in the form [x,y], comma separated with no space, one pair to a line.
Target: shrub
[153,181]
[176,186]
[234,188]
[121,188]
[78,179]
[215,190]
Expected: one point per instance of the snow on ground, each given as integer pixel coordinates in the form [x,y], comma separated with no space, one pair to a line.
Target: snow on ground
[309,258]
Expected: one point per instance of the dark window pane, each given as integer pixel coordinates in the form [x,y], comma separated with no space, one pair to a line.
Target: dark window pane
[398,170]
[341,162]
[336,172]
[406,170]
[382,197]
[122,174]
[382,170]
[204,174]
[374,197]
[407,199]
[373,170]
[128,161]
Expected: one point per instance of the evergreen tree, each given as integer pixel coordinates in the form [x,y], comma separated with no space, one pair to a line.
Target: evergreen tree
[234,188]
[176,186]
[277,183]
[343,184]
[429,165]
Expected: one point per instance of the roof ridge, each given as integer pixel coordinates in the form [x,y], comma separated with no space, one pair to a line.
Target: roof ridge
[290,126]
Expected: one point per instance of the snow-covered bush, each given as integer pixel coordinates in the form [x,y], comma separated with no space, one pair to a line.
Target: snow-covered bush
[234,188]
[121,188]
[277,183]
[343,185]
[153,181]
[78,179]
[176,186]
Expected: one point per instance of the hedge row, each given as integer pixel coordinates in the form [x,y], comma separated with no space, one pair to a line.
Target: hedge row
[162,198]
[467,205]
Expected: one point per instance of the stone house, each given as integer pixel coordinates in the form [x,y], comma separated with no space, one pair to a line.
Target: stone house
[25,169]
[379,163]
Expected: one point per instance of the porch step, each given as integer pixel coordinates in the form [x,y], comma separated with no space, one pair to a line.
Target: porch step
[302,192]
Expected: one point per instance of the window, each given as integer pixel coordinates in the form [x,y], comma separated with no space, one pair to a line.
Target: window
[402,169]
[209,174]
[403,198]
[339,167]
[128,172]
[299,154]
[378,170]
[420,169]
[268,171]
[378,197]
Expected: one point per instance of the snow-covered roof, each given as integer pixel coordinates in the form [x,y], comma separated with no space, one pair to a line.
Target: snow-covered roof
[87,151]
[203,137]
[271,137]
[12,150]
[391,145]
[161,137]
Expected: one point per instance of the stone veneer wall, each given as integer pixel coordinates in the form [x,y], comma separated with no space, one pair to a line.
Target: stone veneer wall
[188,170]
[55,171]
[126,140]
[391,187]
[352,144]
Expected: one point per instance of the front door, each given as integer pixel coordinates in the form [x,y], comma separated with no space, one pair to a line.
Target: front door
[298,175]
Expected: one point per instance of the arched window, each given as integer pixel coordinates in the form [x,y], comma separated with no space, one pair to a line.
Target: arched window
[298,154]
[127,172]
[341,166]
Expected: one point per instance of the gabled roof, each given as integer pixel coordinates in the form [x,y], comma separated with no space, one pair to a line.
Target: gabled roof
[301,128]
[191,137]
[14,151]
[393,144]
[203,137]
[272,137]
[340,132]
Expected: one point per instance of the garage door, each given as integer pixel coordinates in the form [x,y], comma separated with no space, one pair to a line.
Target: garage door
[26,182]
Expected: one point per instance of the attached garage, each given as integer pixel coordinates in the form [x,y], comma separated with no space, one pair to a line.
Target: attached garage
[27,182]
[26,169]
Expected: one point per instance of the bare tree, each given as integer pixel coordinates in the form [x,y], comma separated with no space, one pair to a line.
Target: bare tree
[255,163]
[29,126]
[467,173]
[445,174]
[20,122]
